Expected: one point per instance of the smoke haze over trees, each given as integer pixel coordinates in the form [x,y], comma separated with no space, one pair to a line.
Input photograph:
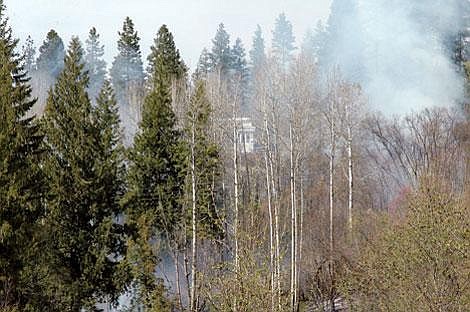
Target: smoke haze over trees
[322,169]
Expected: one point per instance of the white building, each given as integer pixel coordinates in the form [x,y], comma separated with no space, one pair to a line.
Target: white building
[246,135]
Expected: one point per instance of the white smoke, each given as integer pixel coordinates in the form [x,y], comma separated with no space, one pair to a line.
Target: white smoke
[399,49]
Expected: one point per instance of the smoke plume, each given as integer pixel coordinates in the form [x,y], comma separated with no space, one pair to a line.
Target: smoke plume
[399,50]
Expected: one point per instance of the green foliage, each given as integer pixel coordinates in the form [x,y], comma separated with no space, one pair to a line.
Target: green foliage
[94,63]
[207,164]
[164,47]
[155,180]
[51,55]
[421,265]
[246,289]
[203,65]
[84,170]
[127,68]
[220,55]
[283,40]
[29,53]
[257,52]
[21,177]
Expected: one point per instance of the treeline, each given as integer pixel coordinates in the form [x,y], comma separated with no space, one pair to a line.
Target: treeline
[139,183]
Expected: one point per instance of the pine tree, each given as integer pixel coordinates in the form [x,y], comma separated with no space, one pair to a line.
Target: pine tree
[207,162]
[203,170]
[83,171]
[333,40]
[94,63]
[51,55]
[283,43]
[29,54]
[239,71]
[203,65]
[164,45]
[21,177]
[220,55]
[319,40]
[127,73]
[257,52]
[308,44]
[239,64]
[155,181]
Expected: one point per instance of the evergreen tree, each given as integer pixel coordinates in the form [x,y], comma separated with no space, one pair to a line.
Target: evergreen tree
[344,17]
[239,64]
[239,71]
[220,55]
[165,45]
[29,54]
[21,177]
[257,52]
[94,63]
[155,181]
[84,169]
[51,55]
[207,163]
[308,43]
[203,65]
[127,71]
[319,40]
[283,43]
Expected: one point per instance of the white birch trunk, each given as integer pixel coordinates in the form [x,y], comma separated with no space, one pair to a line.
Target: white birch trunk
[193,305]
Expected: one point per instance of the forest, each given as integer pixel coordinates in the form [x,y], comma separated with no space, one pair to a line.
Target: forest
[328,176]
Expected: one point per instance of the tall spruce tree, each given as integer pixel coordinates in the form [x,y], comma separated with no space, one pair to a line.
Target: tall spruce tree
[164,45]
[257,52]
[49,64]
[127,71]
[239,71]
[155,181]
[283,43]
[221,55]
[83,171]
[94,63]
[207,163]
[51,55]
[21,177]
[203,65]
[29,54]
[308,44]
[203,169]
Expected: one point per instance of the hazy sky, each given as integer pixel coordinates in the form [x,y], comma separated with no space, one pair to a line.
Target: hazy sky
[193,22]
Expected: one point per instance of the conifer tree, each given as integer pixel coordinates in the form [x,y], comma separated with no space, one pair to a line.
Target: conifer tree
[239,64]
[283,43]
[51,55]
[83,171]
[308,44]
[49,64]
[165,45]
[239,71]
[203,65]
[21,177]
[154,181]
[127,73]
[257,52]
[319,40]
[29,54]
[206,161]
[203,170]
[220,55]
[94,63]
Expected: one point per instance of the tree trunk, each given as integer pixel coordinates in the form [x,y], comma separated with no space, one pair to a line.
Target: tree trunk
[193,305]
[350,175]
[235,186]
[293,282]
